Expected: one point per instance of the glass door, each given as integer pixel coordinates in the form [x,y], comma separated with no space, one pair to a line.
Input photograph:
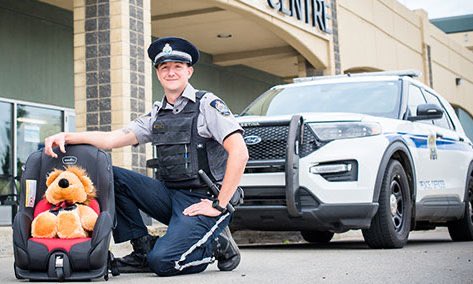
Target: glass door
[34,124]
[23,128]
[6,162]
[6,167]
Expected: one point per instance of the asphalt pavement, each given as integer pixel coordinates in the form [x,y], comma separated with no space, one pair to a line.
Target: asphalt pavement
[429,257]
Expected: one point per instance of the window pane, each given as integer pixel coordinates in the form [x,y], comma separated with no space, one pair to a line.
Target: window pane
[466,120]
[34,124]
[442,122]
[6,168]
[70,121]
[415,99]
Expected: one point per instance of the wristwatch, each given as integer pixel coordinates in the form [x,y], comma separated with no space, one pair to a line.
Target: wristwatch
[216,205]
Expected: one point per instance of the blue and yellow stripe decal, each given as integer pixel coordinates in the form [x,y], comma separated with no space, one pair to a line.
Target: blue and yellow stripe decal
[421,141]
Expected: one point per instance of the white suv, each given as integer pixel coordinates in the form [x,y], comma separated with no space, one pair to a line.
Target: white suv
[375,151]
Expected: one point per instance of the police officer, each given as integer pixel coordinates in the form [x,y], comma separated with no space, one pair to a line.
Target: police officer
[191,130]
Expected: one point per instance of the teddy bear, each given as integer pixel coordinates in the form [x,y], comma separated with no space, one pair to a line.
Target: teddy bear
[68,192]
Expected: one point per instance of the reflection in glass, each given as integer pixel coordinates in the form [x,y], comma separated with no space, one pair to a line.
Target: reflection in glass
[5,147]
[33,125]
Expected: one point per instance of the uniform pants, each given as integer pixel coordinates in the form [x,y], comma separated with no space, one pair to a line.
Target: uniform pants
[187,246]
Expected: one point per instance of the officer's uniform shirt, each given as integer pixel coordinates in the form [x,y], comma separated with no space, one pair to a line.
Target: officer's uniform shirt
[214,120]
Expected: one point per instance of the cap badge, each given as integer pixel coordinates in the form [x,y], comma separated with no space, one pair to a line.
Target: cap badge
[167,49]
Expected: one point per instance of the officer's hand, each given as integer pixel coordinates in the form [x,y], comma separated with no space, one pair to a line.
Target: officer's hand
[204,207]
[53,141]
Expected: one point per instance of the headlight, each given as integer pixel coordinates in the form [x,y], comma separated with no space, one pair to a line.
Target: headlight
[342,130]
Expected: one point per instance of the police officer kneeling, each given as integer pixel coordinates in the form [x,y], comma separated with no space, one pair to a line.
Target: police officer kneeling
[191,130]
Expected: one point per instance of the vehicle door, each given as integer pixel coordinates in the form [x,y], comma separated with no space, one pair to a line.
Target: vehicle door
[452,153]
[422,144]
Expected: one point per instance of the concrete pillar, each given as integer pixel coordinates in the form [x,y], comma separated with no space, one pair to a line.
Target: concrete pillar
[426,54]
[305,69]
[335,42]
[112,74]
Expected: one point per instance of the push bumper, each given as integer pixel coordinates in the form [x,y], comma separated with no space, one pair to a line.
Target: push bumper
[326,217]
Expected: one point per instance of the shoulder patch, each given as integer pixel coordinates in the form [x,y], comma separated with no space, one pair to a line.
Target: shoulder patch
[220,106]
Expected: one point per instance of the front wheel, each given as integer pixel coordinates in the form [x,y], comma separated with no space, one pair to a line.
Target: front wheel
[391,225]
[317,236]
[462,230]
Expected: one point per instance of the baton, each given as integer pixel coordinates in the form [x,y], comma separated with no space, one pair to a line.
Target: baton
[214,188]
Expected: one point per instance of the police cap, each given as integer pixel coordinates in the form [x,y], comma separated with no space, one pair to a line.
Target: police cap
[172,49]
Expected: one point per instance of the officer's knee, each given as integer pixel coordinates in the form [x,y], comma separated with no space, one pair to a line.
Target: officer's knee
[163,264]
[160,263]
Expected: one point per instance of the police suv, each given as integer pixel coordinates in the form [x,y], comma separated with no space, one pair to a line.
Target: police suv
[379,152]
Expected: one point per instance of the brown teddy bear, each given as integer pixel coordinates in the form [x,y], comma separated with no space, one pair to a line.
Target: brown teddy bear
[68,194]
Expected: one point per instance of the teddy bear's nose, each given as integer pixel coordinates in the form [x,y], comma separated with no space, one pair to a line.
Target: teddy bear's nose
[64,183]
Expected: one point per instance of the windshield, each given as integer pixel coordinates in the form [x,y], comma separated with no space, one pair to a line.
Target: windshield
[373,98]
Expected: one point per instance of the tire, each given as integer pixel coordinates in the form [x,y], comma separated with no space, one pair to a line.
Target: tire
[321,237]
[462,230]
[391,225]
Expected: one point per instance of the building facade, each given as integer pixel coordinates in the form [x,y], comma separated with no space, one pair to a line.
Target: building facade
[82,64]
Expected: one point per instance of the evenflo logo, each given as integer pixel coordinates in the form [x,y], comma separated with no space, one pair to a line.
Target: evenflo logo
[69,160]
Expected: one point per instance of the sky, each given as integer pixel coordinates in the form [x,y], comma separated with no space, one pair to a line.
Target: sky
[441,8]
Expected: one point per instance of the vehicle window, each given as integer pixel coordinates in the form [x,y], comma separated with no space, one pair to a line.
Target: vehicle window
[444,121]
[261,104]
[372,98]
[466,121]
[416,98]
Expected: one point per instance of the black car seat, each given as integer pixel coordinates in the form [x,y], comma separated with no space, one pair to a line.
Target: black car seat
[64,259]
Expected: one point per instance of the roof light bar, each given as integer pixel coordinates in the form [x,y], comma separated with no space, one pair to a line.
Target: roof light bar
[410,73]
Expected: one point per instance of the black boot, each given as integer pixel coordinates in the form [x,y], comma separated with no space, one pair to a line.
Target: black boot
[226,251]
[136,261]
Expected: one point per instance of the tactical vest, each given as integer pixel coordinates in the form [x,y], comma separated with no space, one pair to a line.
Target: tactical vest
[181,151]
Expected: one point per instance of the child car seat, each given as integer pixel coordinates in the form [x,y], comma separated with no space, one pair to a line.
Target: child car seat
[64,259]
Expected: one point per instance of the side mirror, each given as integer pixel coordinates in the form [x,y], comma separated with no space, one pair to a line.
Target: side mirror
[427,112]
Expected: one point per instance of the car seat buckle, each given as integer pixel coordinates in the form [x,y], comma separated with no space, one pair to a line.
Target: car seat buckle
[59,261]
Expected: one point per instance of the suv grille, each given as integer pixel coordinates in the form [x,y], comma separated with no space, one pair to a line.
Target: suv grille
[274,142]
[309,142]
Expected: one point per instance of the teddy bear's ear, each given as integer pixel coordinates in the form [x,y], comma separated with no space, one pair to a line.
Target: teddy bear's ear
[52,176]
[88,186]
[84,179]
